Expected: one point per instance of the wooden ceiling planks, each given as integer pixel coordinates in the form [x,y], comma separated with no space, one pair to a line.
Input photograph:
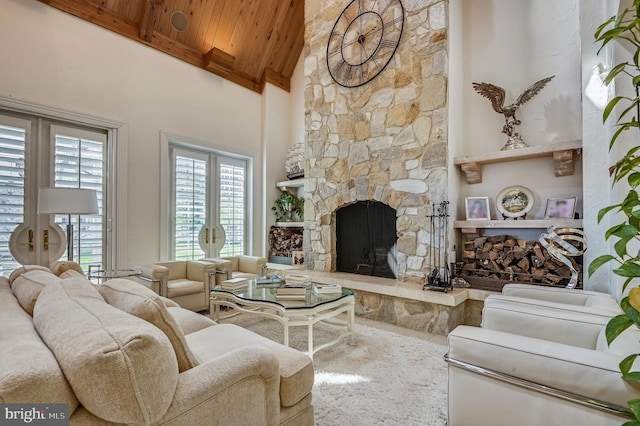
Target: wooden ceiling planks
[255,34]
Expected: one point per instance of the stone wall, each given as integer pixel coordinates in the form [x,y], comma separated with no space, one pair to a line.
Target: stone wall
[384,141]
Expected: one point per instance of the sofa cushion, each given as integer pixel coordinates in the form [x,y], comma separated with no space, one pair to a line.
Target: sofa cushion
[29,372]
[190,321]
[26,268]
[182,287]
[138,300]
[27,287]
[296,368]
[121,368]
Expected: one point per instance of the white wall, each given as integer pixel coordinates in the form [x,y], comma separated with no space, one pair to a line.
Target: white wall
[512,44]
[54,59]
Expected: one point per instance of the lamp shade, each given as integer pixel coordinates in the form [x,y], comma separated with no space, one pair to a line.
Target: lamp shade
[67,201]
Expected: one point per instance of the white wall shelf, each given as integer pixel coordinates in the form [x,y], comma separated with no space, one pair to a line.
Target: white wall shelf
[472,226]
[562,153]
[290,224]
[285,184]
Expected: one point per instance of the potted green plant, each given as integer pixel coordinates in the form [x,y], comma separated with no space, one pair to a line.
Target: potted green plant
[625,28]
[288,208]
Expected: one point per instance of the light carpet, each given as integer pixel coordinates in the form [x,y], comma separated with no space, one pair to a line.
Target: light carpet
[390,376]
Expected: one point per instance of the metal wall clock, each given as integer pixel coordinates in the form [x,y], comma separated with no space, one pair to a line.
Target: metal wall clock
[363,40]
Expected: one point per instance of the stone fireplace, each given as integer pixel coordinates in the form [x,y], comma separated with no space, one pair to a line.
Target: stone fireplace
[382,142]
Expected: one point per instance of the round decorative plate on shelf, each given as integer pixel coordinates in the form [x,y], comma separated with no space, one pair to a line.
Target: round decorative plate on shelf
[515,201]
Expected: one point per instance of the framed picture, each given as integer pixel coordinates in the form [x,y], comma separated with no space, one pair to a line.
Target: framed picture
[477,208]
[563,208]
[298,257]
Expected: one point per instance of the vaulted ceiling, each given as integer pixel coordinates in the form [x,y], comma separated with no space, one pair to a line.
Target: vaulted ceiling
[249,42]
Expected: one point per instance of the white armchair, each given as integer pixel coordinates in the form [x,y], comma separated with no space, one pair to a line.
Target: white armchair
[538,366]
[563,299]
[240,266]
[184,282]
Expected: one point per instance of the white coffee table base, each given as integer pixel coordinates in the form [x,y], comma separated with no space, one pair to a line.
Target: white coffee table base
[291,317]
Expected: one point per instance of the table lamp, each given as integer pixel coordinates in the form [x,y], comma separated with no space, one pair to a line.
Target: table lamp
[67,201]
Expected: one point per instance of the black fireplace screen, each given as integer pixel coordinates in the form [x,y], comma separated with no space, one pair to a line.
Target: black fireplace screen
[366,239]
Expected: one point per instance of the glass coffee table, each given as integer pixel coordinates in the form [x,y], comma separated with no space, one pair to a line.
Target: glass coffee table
[261,300]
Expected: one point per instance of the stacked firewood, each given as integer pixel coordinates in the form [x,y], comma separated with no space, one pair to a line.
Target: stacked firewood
[284,240]
[502,257]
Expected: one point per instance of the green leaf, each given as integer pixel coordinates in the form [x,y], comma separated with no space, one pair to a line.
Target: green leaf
[615,70]
[634,179]
[610,106]
[602,26]
[634,376]
[623,231]
[603,211]
[628,269]
[616,326]
[598,262]
[634,405]
[621,246]
[626,283]
[627,363]
[631,312]
[633,423]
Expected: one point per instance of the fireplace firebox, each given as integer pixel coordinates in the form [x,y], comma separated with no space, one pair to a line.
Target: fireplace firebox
[366,239]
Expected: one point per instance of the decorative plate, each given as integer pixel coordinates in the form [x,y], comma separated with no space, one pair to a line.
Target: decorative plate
[515,201]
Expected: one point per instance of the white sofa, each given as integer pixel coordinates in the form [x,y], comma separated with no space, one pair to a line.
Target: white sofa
[533,365]
[118,353]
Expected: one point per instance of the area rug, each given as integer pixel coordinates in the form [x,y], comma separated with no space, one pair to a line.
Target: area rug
[385,378]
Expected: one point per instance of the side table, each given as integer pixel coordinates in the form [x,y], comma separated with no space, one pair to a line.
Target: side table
[103,275]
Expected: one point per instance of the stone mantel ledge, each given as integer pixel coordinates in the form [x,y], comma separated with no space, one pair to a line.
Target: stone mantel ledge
[395,288]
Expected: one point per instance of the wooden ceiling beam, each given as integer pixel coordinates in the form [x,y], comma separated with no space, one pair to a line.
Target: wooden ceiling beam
[271,76]
[148,21]
[219,62]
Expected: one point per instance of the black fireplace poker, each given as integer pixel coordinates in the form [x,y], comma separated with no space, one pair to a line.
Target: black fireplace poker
[439,279]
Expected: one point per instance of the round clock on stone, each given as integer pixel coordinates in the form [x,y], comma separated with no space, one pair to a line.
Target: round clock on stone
[363,40]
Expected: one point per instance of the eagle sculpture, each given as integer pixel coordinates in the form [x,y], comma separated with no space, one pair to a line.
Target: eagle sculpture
[497,94]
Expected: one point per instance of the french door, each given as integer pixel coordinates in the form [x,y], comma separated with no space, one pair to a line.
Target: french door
[36,152]
[209,204]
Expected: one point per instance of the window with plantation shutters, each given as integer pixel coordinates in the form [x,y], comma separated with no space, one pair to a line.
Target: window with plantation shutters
[190,206]
[12,182]
[79,160]
[209,208]
[232,205]
[38,152]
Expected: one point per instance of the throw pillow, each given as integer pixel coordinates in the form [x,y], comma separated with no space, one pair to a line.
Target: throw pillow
[121,368]
[27,287]
[138,300]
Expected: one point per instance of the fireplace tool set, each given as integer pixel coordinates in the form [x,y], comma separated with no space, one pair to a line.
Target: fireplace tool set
[439,278]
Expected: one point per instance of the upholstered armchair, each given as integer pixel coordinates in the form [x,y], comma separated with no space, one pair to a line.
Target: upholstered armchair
[532,365]
[240,266]
[184,282]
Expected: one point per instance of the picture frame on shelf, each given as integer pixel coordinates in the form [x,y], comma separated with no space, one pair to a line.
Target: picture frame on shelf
[477,208]
[560,208]
[297,257]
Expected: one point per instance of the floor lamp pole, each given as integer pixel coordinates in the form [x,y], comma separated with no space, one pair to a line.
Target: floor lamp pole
[69,239]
